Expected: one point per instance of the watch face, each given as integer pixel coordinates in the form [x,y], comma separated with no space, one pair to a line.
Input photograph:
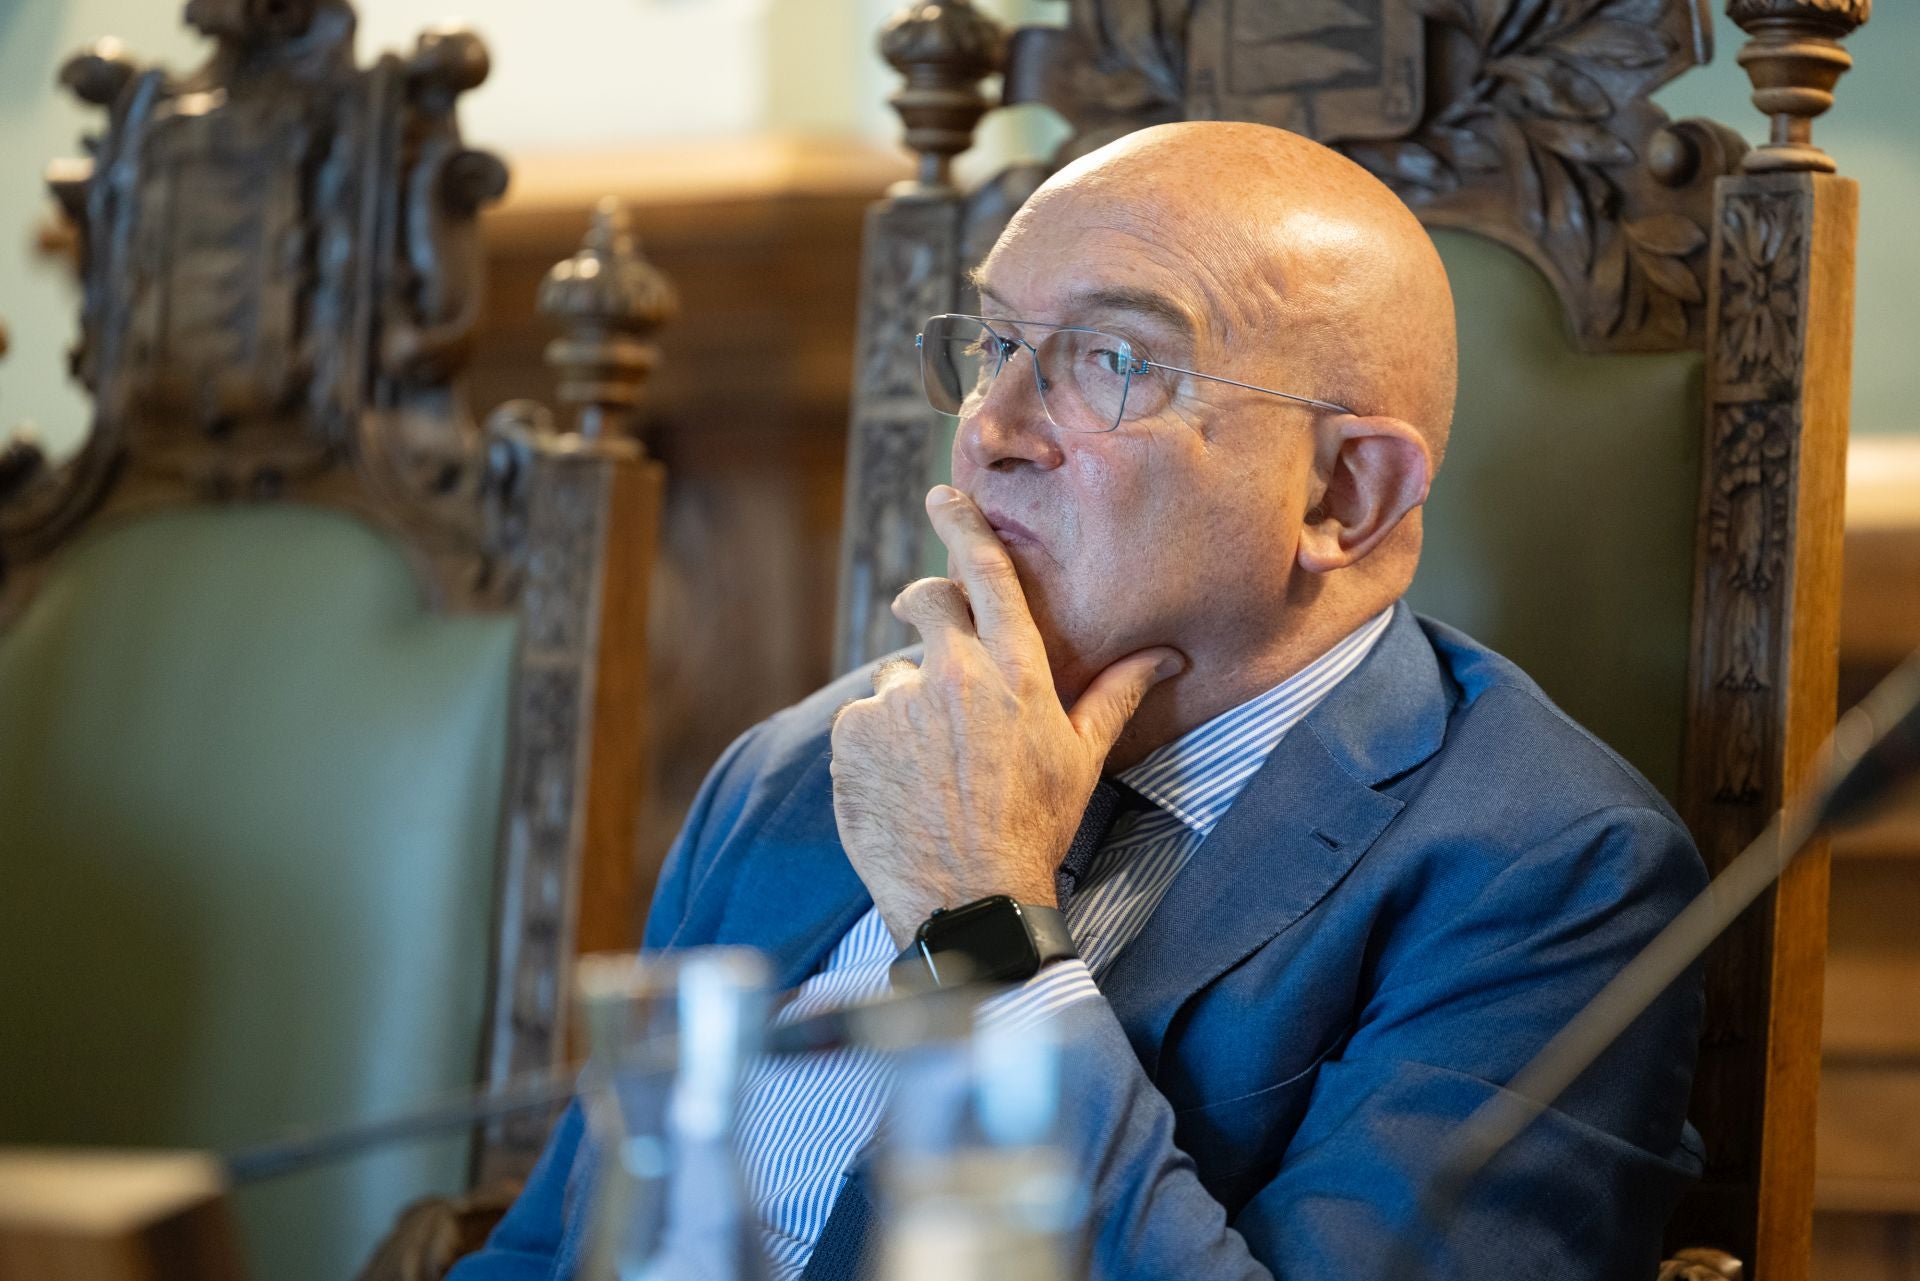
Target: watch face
[989,936]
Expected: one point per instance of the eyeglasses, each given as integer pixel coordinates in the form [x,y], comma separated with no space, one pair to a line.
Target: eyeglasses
[1089,380]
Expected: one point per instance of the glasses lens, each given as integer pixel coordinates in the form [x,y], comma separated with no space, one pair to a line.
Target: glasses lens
[1084,378]
[958,358]
[1083,375]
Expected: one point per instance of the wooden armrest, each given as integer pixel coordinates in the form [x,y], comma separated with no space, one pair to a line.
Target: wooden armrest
[1701,1265]
[434,1233]
[115,1216]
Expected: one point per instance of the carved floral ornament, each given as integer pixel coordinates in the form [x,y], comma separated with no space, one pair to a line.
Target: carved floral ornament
[1761,279]
[1553,109]
[1524,120]
[279,255]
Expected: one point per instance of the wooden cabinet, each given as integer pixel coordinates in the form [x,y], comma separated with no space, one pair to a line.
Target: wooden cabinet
[1867,1225]
[748,410]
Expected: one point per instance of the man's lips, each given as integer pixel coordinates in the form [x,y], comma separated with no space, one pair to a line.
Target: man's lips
[1012,532]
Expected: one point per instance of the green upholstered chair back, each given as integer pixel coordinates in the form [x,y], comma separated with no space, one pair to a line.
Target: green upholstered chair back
[249,792]
[1560,530]
[320,705]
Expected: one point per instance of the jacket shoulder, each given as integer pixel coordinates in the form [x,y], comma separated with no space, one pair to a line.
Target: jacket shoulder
[795,736]
[1508,733]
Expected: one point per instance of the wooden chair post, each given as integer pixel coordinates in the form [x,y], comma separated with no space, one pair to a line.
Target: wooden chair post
[1766,625]
[574,795]
[911,268]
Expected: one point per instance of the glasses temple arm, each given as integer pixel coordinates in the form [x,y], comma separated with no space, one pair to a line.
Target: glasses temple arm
[1216,378]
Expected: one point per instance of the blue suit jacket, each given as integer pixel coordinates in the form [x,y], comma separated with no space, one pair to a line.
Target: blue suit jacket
[1428,877]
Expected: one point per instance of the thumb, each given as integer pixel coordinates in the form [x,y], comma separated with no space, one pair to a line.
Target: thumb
[1111,700]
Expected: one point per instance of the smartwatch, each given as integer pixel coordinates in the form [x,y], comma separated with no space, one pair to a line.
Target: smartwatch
[992,940]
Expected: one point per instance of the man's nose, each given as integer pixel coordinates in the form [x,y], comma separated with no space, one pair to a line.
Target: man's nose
[1008,427]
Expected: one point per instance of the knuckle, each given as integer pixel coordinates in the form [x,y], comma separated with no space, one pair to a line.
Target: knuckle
[892,673]
[850,717]
[930,600]
[920,590]
[909,601]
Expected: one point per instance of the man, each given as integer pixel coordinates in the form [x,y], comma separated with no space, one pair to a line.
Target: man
[1370,868]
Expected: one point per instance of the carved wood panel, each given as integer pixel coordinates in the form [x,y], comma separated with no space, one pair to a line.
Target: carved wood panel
[1524,120]
[549,744]
[278,258]
[1762,687]
[910,269]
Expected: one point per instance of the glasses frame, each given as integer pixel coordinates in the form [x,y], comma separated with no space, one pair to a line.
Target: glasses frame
[1140,365]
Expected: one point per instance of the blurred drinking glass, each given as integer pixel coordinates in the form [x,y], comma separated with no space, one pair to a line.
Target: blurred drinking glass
[975,1180]
[670,1037]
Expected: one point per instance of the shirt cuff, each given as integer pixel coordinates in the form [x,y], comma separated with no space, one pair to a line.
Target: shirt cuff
[1053,989]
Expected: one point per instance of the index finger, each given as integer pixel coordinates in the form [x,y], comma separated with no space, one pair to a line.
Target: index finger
[937,609]
[981,564]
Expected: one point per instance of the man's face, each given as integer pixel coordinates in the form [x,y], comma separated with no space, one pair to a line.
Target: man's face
[1179,528]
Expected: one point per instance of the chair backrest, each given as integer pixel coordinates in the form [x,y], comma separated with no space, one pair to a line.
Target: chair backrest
[320,707]
[1621,279]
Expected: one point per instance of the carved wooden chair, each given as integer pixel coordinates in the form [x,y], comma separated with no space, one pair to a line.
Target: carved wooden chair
[1653,318]
[320,707]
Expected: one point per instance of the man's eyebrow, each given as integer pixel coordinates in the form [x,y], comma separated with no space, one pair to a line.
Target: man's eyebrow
[978,280]
[1106,298]
[1140,301]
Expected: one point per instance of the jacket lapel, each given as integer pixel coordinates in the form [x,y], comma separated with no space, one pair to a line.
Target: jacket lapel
[1302,822]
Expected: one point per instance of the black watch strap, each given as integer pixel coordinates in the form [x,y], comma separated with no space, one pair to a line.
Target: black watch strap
[1047,926]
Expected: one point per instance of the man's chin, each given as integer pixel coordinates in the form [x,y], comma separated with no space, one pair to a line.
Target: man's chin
[1078,648]
[1074,662]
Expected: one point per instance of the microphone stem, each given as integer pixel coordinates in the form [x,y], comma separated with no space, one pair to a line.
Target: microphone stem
[884,1021]
[301,1151]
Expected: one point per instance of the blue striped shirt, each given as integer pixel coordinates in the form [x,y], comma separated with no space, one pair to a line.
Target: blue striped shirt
[804,1122]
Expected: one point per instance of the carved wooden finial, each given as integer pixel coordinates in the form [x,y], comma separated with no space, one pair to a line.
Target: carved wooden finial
[944,48]
[608,300]
[1794,59]
[448,60]
[99,73]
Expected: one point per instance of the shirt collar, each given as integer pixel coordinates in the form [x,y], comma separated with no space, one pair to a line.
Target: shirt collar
[1197,777]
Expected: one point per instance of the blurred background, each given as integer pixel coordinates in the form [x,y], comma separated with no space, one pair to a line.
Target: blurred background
[748,137]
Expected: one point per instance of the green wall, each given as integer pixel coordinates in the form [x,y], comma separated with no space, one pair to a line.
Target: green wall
[1873,132]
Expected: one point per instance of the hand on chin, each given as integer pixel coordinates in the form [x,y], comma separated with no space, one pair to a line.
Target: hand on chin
[966,776]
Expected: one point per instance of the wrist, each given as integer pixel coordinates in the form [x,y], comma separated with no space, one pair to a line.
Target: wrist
[905,919]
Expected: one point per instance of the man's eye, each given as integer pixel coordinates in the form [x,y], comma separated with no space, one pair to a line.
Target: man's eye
[1111,361]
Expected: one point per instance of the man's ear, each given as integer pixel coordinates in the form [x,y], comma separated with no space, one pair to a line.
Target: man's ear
[1370,473]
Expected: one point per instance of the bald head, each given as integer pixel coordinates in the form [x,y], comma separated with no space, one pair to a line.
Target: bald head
[1250,531]
[1293,244]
